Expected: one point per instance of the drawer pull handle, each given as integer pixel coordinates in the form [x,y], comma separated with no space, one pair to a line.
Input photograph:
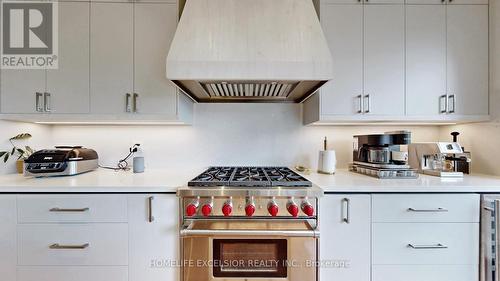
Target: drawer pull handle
[70,210]
[421,247]
[438,210]
[69,247]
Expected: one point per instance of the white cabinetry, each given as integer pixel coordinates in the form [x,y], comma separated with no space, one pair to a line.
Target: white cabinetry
[8,252]
[467,59]
[343,27]
[345,231]
[154,240]
[384,60]
[421,237]
[62,90]
[111,68]
[423,61]
[112,57]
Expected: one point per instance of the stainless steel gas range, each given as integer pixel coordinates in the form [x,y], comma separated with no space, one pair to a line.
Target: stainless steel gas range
[241,223]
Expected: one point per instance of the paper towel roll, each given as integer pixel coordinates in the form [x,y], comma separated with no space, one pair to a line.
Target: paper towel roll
[327,163]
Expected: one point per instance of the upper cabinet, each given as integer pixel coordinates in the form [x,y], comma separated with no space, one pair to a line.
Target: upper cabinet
[62,90]
[111,68]
[404,63]
[467,59]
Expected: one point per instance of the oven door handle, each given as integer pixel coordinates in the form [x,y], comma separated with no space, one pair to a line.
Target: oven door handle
[187,230]
[211,232]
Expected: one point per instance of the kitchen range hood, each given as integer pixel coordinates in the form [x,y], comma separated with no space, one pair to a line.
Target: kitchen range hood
[249,51]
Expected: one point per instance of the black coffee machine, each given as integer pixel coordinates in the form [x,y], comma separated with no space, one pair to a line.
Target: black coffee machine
[382,149]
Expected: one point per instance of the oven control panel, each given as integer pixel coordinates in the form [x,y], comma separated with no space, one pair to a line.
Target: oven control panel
[247,207]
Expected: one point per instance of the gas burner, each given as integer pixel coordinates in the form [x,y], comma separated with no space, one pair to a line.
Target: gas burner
[250,177]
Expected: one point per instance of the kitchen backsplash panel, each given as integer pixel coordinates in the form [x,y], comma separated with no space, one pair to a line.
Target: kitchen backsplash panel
[228,134]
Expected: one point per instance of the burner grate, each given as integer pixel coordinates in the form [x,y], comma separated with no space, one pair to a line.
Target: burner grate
[250,177]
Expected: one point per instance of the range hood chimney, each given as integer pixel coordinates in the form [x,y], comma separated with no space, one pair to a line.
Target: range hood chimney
[249,50]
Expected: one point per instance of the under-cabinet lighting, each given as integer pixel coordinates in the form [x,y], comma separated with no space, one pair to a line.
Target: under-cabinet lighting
[109,123]
[383,124]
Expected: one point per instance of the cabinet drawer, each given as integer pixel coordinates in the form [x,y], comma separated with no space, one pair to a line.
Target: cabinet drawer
[93,244]
[420,243]
[426,208]
[425,273]
[71,208]
[66,273]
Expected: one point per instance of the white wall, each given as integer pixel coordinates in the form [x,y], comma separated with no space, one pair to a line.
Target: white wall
[483,140]
[227,134]
[42,137]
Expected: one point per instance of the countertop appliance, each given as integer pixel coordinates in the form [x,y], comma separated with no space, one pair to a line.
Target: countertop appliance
[490,237]
[61,161]
[249,51]
[249,222]
[382,155]
[437,158]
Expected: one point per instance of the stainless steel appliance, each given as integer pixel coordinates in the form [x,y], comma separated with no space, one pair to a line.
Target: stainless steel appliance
[61,161]
[490,237]
[249,223]
[437,158]
[382,155]
[281,54]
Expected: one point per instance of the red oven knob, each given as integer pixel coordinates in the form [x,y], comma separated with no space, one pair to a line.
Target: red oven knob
[250,210]
[308,209]
[273,209]
[206,210]
[191,210]
[227,209]
[293,209]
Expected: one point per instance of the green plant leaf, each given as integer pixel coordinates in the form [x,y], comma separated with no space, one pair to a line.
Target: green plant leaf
[2,153]
[29,150]
[6,157]
[13,151]
[20,151]
[22,136]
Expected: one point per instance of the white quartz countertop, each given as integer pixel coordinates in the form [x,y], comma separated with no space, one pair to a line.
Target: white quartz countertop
[346,181]
[101,180]
[167,181]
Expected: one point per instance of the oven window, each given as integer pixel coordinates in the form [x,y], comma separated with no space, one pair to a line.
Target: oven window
[265,258]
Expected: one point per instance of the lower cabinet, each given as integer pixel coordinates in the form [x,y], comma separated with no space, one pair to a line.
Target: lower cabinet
[345,222]
[8,251]
[153,237]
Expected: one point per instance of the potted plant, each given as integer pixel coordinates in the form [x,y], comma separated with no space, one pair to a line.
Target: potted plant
[16,151]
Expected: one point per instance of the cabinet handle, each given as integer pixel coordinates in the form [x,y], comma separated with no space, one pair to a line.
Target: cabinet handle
[360,105]
[452,100]
[128,107]
[134,100]
[57,246]
[438,210]
[368,104]
[151,218]
[443,104]
[422,247]
[46,101]
[61,210]
[346,209]
[38,102]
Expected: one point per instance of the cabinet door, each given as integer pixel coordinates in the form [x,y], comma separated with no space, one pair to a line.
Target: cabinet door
[343,27]
[384,59]
[345,228]
[425,59]
[19,89]
[467,61]
[112,55]
[154,239]
[8,253]
[155,26]
[69,84]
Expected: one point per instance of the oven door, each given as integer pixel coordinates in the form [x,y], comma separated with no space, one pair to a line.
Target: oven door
[249,250]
